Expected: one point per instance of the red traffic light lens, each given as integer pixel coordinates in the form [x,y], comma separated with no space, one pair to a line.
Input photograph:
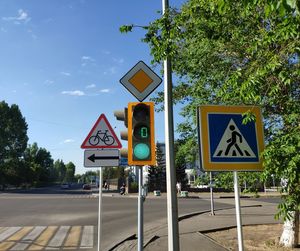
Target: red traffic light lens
[141,112]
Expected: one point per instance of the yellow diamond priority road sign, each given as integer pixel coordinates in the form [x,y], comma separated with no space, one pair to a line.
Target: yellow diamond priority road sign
[141,81]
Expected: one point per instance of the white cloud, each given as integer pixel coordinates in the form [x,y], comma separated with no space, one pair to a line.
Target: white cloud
[104,90]
[21,17]
[112,70]
[48,82]
[118,60]
[86,60]
[90,86]
[66,141]
[65,73]
[73,93]
[106,52]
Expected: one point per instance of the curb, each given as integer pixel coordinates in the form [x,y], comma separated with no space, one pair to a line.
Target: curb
[180,218]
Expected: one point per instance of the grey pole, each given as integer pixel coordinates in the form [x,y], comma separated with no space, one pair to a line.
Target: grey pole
[238,211]
[173,233]
[212,208]
[140,211]
[100,208]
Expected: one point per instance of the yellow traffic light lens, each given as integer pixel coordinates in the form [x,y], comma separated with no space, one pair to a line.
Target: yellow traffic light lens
[141,151]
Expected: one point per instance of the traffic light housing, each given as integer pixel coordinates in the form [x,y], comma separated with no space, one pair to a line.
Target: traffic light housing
[122,115]
[141,141]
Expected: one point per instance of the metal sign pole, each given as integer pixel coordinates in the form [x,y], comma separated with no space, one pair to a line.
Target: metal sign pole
[212,208]
[100,207]
[238,211]
[173,232]
[140,211]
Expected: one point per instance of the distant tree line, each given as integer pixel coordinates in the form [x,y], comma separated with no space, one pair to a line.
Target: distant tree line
[22,164]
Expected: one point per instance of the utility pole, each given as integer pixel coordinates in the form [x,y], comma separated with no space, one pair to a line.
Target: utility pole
[173,233]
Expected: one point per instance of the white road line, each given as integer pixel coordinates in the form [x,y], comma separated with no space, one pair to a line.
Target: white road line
[29,238]
[87,237]
[58,238]
[2,229]
[8,232]
[55,243]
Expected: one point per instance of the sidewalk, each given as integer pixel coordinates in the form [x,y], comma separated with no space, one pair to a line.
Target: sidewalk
[192,229]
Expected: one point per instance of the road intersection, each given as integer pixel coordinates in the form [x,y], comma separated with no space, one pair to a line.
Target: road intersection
[35,221]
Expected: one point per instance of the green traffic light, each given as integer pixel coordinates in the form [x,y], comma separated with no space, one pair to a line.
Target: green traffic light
[141,151]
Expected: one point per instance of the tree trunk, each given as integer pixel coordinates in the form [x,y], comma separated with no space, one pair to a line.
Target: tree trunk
[290,234]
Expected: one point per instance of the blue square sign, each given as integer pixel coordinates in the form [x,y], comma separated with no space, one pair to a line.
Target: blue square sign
[226,143]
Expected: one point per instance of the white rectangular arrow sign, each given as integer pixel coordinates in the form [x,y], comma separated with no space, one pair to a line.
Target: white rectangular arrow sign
[99,158]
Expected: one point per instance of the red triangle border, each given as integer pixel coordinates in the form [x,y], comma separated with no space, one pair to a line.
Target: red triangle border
[102,116]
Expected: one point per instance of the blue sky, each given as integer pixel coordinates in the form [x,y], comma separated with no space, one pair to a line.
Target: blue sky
[61,61]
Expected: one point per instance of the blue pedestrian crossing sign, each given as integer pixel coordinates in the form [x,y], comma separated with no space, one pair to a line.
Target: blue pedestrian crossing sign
[226,144]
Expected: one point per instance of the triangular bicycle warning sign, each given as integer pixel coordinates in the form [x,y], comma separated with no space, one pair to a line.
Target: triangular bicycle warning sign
[233,144]
[101,136]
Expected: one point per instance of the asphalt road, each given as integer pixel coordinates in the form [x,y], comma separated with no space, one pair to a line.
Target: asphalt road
[56,207]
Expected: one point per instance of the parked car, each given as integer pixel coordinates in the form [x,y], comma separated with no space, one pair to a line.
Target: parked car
[86,187]
[64,186]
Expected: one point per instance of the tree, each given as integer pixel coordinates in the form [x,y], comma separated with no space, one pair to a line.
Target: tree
[40,164]
[157,174]
[13,142]
[241,53]
[60,169]
[182,154]
[70,172]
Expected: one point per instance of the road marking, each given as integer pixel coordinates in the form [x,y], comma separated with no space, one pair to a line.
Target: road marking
[42,241]
[46,238]
[14,238]
[2,229]
[8,232]
[87,237]
[29,238]
[58,238]
[73,238]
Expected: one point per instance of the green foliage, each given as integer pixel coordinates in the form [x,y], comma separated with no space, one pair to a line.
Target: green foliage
[40,164]
[60,169]
[157,174]
[282,159]
[13,142]
[134,185]
[126,28]
[70,172]
[185,154]
[23,165]
[238,53]
[113,173]
[202,180]
[224,180]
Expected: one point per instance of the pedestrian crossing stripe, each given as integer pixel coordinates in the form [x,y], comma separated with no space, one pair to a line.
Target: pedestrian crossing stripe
[46,238]
[233,144]
[225,143]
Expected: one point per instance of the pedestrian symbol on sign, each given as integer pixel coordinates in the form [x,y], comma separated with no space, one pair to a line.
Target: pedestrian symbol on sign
[233,144]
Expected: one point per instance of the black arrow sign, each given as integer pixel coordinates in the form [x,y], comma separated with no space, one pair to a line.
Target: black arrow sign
[93,157]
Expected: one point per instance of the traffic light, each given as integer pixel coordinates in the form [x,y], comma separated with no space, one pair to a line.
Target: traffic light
[122,115]
[141,142]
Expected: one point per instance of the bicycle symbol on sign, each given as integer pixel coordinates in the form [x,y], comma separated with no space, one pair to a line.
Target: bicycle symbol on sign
[108,140]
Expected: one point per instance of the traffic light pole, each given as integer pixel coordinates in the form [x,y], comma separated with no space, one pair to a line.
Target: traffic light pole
[173,233]
[140,211]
